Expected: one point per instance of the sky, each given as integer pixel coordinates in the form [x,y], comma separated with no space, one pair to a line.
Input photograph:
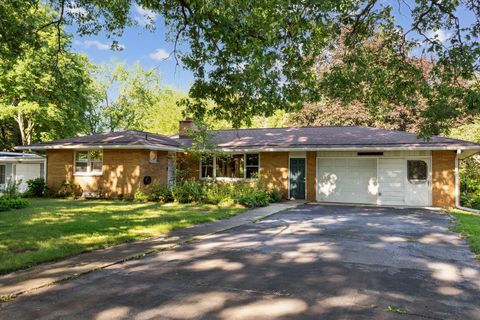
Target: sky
[149,49]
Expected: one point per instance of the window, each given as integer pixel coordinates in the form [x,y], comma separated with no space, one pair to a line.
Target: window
[3,173]
[89,161]
[252,165]
[207,167]
[153,156]
[417,170]
[234,166]
[230,166]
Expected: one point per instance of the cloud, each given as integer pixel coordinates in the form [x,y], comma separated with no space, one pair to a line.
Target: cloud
[96,44]
[76,11]
[145,16]
[159,55]
[439,35]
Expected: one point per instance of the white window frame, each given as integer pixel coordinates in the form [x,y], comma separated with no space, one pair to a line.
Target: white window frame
[89,171]
[228,178]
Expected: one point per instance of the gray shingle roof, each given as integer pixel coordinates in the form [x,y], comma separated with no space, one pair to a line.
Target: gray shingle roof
[327,137]
[121,138]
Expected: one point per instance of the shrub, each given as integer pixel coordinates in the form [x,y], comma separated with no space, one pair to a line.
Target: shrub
[11,190]
[275,195]
[139,196]
[254,198]
[13,203]
[37,188]
[188,191]
[67,189]
[159,192]
[215,193]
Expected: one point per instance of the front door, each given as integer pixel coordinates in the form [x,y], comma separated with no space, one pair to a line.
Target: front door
[297,178]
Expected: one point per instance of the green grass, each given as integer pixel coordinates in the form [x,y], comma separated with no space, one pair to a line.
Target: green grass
[51,229]
[468,224]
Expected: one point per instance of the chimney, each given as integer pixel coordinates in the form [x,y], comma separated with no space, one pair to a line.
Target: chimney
[185,128]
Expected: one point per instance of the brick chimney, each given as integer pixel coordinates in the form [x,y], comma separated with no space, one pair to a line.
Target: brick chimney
[185,128]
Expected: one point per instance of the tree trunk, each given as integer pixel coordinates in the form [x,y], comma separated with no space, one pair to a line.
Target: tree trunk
[25,129]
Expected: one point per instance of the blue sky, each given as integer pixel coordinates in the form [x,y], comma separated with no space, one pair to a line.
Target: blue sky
[149,49]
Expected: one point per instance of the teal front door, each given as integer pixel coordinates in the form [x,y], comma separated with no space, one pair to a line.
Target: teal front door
[297,178]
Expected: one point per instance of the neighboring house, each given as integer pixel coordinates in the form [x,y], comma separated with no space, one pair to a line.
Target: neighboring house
[20,167]
[326,164]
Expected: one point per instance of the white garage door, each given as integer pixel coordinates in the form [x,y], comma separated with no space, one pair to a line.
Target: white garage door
[347,180]
[391,174]
[25,172]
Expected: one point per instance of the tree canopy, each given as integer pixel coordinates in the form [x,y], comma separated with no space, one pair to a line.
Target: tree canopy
[255,57]
[37,100]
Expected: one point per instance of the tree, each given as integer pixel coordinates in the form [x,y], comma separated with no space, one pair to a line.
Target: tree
[43,102]
[256,57]
[133,99]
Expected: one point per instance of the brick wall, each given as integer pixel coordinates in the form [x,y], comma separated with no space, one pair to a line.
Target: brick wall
[59,168]
[123,171]
[274,169]
[443,179]
[311,176]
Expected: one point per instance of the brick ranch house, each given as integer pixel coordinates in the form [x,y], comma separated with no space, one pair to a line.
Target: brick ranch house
[325,164]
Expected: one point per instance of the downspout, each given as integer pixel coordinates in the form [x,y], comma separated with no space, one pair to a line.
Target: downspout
[457,185]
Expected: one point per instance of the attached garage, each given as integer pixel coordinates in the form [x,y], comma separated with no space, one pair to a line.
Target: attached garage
[20,167]
[376,178]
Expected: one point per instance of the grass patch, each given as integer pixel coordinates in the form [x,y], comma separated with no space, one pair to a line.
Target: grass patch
[51,229]
[468,224]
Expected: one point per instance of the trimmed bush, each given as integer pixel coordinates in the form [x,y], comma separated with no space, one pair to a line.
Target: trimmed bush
[37,188]
[13,203]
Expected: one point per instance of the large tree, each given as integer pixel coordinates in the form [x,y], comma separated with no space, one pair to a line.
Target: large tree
[43,94]
[133,98]
[254,57]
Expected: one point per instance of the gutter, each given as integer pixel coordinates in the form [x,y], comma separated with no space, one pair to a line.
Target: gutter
[116,146]
[349,148]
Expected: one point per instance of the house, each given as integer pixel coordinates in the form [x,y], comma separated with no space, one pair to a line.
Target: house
[20,167]
[326,164]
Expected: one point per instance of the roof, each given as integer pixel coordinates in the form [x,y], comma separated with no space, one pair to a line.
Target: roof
[131,139]
[19,157]
[328,138]
[268,139]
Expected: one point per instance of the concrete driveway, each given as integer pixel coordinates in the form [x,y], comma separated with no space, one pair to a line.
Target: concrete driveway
[312,262]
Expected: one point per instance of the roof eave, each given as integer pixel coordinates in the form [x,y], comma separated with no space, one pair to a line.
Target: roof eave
[351,148]
[89,146]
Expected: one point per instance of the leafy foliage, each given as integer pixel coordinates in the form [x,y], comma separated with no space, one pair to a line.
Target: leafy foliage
[143,102]
[43,92]
[13,203]
[37,188]
[470,167]
[255,57]
[159,192]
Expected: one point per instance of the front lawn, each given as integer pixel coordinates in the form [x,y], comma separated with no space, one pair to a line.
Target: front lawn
[468,224]
[51,229]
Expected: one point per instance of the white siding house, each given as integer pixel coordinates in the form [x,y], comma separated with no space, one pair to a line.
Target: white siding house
[20,167]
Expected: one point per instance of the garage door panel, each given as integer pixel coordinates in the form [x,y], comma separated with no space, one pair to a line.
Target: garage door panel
[347,180]
[391,178]
[25,172]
